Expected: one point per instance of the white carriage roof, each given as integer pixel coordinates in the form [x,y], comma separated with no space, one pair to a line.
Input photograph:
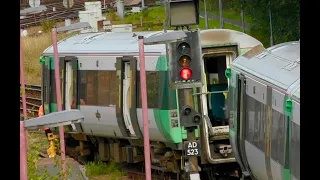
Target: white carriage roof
[127,43]
[216,37]
[279,64]
[105,43]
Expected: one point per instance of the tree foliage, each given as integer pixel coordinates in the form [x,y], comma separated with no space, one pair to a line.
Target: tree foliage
[285,19]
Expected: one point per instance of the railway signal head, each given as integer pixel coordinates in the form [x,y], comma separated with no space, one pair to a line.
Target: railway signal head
[183,12]
[189,117]
[185,62]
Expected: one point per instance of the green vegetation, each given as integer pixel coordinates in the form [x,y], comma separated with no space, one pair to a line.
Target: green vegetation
[111,170]
[33,47]
[153,18]
[38,142]
[285,19]
[47,25]
[228,11]
[216,24]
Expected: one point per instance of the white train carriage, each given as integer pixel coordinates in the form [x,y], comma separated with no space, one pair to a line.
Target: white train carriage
[265,112]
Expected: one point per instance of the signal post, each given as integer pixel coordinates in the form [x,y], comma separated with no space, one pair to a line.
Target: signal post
[184,64]
[185,73]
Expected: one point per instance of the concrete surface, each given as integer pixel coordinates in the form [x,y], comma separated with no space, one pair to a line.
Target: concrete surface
[76,169]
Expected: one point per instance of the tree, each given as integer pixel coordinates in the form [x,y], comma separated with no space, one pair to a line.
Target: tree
[285,19]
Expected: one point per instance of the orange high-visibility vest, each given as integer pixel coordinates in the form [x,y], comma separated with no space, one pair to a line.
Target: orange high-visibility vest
[40,113]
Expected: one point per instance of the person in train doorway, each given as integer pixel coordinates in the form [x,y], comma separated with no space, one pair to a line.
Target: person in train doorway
[40,113]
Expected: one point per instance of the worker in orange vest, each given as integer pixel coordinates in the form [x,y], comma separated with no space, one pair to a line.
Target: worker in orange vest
[40,113]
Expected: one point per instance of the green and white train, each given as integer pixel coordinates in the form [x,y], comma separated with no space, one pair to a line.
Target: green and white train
[100,76]
[264,96]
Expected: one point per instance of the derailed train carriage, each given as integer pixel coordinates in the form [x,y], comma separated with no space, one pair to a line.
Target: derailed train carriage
[264,94]
[100,76]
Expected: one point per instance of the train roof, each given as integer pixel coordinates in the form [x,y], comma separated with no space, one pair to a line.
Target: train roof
[279,65]
[127,42]
[105,43]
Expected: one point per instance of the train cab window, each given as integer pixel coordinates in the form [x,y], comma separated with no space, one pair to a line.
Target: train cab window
[215,67]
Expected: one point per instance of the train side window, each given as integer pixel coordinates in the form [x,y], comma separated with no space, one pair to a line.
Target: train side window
[262,126]
[278,137]
[107,88]
[152,78]
[250,118]
[88,87]
[256,118]
[281,134]
[98,88]
[295,150]
[114,88]
[103,88]
[274,138]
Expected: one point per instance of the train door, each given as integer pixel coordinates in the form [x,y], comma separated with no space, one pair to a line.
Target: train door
[69,68]
[127,101]
[46,77]
[216,61]
[127,97]
[214,103]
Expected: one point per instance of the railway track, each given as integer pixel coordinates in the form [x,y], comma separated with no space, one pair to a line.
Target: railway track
[60,12]
[33,97]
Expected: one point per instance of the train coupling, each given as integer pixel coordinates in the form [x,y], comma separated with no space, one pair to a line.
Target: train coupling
[224,149]
[52,152]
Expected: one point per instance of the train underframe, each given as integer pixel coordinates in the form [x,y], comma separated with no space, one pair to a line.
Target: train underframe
[165,157]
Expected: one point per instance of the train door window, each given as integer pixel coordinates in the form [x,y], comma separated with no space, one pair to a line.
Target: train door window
[69,85]
[126,97]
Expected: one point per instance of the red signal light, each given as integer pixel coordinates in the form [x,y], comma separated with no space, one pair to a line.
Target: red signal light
[185,73]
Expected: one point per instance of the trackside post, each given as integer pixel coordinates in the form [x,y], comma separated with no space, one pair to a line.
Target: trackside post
[144,109]
[23,152]
[23,138]
[59,103]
